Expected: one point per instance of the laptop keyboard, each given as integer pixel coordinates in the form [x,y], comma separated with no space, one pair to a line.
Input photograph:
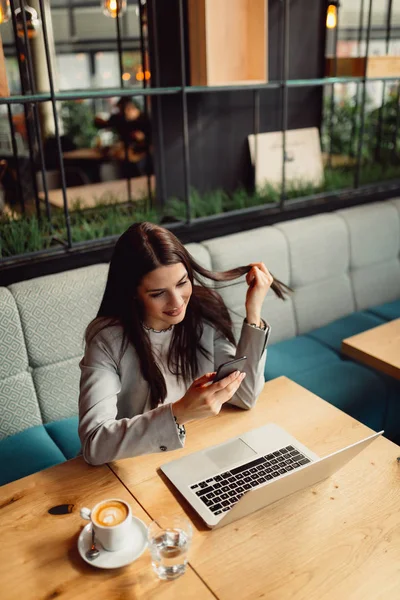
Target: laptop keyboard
[221,492]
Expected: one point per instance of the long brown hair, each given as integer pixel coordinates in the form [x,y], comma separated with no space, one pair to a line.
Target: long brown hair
[141,249]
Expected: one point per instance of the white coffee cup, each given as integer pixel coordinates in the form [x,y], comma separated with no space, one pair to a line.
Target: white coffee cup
[112,521]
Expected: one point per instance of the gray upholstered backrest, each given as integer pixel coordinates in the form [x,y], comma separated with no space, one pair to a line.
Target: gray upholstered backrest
[374,234]
[319,269]
[19,407]
[266,244]
[336,263]
[54,312]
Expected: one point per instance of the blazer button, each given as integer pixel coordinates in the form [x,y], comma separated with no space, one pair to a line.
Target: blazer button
[163,448]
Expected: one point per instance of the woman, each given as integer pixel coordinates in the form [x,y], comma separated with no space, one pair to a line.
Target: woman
[152,351]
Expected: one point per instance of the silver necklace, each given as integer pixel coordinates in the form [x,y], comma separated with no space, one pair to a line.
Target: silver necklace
[157,330]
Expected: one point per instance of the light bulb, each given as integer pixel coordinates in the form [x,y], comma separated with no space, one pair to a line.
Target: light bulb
[5,11]
[331,18]
[112,8]
[33,23]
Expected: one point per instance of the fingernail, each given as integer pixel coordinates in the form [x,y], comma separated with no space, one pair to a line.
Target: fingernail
[243,376]
[237,373]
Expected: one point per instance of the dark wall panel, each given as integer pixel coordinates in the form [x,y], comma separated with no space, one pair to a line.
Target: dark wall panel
[219,123]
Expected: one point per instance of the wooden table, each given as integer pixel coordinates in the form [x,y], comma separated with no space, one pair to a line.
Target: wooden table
[338,539]
[38,551]
[107,191]
[116,152]
[378,348]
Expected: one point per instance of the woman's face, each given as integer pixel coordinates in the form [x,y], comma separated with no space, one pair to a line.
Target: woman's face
[165,294]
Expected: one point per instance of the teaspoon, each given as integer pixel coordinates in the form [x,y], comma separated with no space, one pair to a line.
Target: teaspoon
[93,552]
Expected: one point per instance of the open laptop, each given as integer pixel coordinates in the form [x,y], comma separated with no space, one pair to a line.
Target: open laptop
[226,482]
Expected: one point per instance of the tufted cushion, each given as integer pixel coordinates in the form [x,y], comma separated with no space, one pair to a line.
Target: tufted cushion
[58,389]
[27,452]
[55,311]
[356,390]
[265,244]
[387,311]
[297,355]
[319,275]
[332,335]
[14,358]
[19,408]
[65,434]
[374,232]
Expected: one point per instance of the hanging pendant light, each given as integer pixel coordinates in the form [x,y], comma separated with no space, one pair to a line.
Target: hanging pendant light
[33,23]
[112,8]
[5,11]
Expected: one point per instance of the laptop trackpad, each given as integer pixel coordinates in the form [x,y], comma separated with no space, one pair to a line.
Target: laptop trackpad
[230,453]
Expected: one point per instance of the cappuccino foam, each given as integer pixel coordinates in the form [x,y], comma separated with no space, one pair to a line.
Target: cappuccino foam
[110,513]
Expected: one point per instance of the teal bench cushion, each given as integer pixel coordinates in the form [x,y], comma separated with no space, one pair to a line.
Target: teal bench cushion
[388,311]
[358,391]
[65,434]
[331,335]
[296,355]
[27,452]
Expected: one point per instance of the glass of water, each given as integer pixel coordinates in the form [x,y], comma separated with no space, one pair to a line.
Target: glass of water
[169,540]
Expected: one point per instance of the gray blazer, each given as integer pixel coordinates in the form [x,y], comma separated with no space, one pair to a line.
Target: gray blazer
[115,419]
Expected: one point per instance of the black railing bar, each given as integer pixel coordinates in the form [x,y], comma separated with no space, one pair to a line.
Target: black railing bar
[388,24]
[78,6]
[256,130]
[21,79]
[363,100]
[121,73]
[89,43]
[374,29]
[36,122]
[110,93]
[354,123]
[119,43]
[285,95]
[56,127]
[142,44]
[238,212]
[185,126]
[71,19]
[124,21]
[27,48]
[360,26]
[20,195]
[143,48]
[42,164]
[396,129]
[381,108]
[26,105]
[332,107]
[16,47]
[161,180]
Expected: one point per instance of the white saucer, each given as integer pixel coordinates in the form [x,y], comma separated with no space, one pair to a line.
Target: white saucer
[121,558]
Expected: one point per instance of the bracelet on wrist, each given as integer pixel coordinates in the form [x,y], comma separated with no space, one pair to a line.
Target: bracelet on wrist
[262,325]
[181,429]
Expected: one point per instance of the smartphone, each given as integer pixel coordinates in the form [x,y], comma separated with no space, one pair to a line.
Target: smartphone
[229,367]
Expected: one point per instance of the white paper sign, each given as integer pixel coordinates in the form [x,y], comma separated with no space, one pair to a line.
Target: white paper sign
[303,157]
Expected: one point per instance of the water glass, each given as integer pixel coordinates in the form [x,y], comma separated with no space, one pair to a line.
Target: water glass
[169,540]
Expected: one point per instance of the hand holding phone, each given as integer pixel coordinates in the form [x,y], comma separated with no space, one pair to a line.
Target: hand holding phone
[229,367]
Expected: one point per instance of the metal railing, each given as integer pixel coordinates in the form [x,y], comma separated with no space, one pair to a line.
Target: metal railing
[30,99]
